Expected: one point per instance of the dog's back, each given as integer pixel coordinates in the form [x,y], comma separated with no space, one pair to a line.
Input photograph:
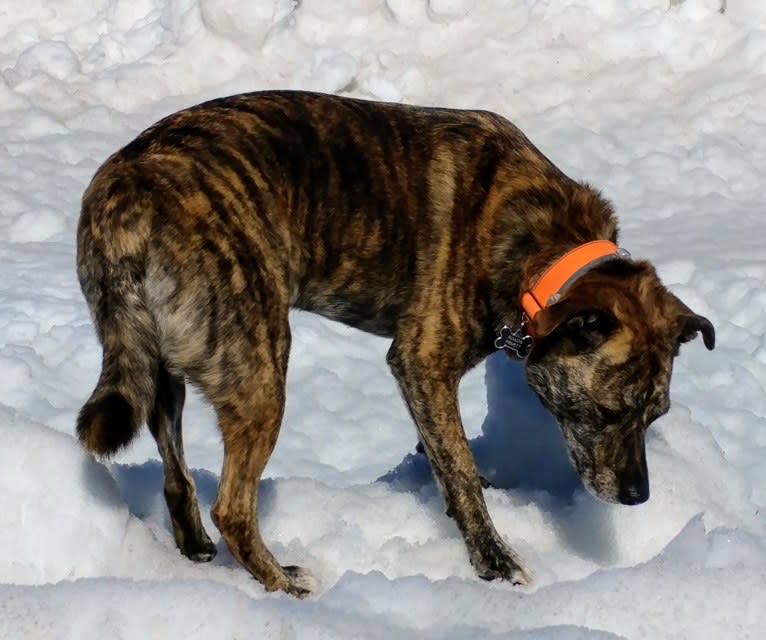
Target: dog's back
[329,195]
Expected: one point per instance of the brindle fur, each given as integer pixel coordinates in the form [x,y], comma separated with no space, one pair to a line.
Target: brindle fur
[418,224]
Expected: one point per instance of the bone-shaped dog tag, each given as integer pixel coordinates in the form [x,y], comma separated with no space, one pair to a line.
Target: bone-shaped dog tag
[516,341]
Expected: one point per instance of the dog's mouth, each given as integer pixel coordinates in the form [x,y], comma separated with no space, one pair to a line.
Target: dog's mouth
[626,482]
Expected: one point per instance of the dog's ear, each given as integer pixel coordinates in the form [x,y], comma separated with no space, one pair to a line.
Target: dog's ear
[689,324]
[575,328]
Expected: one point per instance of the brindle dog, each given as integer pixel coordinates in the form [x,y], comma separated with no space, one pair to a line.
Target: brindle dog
[420,224]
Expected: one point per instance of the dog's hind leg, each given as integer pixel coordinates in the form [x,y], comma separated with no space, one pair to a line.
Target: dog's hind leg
[250,401]
[429,387]
[180,493]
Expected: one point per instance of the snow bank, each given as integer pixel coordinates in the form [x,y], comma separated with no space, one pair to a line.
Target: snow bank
[722,570]
[382,553]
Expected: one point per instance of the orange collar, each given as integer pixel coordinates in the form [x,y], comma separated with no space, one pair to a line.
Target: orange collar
[561,274]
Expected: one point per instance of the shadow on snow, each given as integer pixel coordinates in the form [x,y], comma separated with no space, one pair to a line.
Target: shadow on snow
[521,449]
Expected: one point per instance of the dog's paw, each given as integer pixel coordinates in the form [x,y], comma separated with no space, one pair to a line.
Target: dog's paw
[202,551]
[203,556]
[301,581]
[495,560]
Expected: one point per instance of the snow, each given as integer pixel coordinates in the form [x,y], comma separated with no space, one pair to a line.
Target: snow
[660,104]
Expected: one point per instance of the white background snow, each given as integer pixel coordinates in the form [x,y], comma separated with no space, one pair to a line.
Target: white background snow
[662,107]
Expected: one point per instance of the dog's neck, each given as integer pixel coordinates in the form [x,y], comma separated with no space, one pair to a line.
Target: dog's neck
[553,284]
[544,237]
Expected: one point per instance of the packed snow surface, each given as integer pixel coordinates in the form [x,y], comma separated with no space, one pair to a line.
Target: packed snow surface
[660,104]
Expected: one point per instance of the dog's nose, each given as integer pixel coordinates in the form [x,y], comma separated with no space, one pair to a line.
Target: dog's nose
[634,493]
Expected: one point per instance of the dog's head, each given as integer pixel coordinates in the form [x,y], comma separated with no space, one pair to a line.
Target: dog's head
[601,365]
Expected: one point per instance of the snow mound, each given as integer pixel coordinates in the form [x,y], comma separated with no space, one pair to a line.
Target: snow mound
[76,523]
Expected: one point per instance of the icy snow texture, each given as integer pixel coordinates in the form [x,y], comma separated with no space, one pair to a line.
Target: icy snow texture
[662,107]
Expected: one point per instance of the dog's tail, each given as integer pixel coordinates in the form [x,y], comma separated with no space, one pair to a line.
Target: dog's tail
[112,240]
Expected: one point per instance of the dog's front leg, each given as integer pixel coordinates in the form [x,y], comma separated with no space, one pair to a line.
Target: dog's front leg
[430,390]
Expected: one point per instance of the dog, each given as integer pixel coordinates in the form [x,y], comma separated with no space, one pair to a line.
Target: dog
[433,227]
